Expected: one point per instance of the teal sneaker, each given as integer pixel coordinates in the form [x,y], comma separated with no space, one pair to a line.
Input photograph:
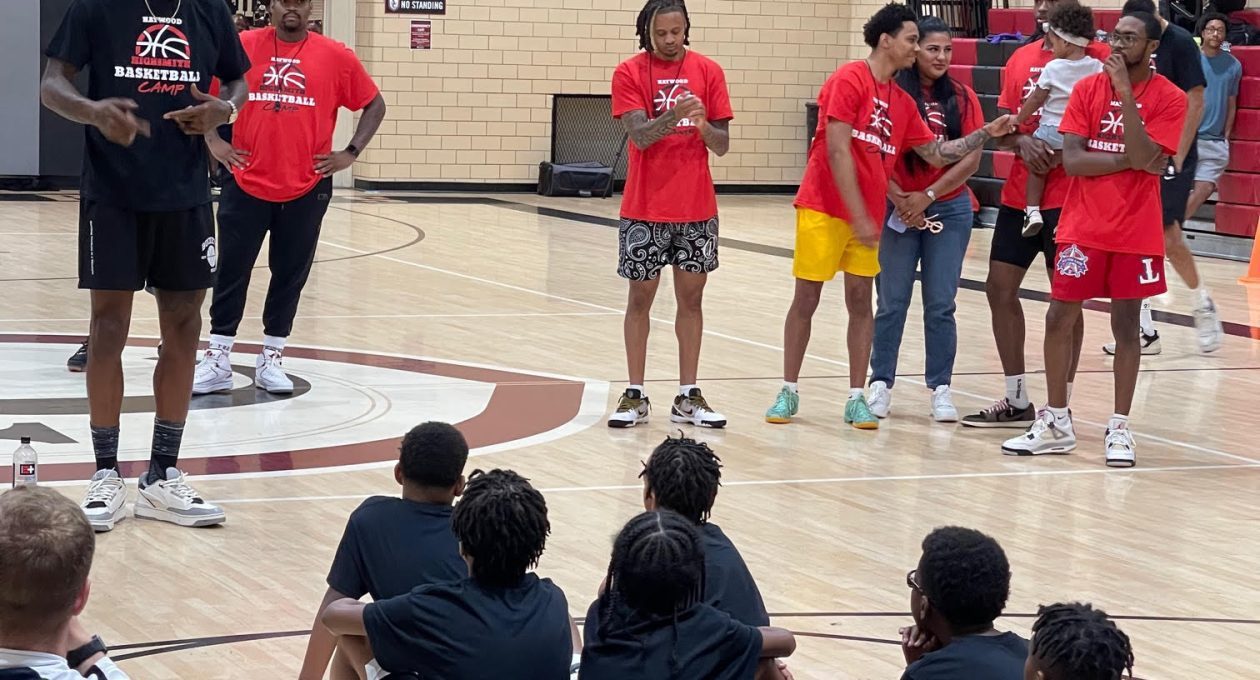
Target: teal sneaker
[785,406]
[858,414]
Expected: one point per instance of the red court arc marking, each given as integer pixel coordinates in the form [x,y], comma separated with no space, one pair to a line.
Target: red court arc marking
[522,405]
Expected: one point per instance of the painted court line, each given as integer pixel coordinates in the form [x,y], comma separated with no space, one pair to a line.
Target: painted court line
[364,316]
[754,343]
[777,482]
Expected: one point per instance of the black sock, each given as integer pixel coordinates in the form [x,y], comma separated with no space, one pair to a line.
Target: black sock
[105,446]
[166,438]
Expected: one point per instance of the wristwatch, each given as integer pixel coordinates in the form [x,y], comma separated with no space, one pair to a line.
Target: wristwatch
[76,657]
[353,150]
[930,194]
[235,111]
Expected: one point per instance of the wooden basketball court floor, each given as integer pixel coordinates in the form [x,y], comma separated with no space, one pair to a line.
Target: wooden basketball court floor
[828,518]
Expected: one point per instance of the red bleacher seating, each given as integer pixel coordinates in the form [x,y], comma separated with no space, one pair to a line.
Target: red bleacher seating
[1012,21]
[1239,187]
[1249,93]
[962,73]
[1247,124]
[1244,156]
[1237,220]
[1106,19]
[1249,55]
[1250,16]
[965,51]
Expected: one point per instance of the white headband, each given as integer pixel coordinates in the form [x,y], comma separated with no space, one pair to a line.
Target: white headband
[1072,39]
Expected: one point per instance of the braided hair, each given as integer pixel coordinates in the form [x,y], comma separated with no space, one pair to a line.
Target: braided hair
[647,17]
[1077,642]
[684,476]
[656,573]
[501,523]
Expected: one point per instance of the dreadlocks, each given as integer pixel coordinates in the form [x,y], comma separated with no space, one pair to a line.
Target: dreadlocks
[647,17]
[657,571]
[1077,642]
[684,476]
[502,524]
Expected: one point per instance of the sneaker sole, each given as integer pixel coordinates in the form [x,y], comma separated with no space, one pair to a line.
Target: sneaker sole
[101,526]
[176,518]
[715,424]
[946,419]
[623,424]
[1009,424]
[779,420]
[76,369]
[1053,451]
[1121,463]
[1111,352]
[866,425]
[211,389]
[274,390]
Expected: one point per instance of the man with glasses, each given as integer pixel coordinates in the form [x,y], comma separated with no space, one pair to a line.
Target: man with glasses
[1220,102]
[1178,60]
[959,588]
[1120,128]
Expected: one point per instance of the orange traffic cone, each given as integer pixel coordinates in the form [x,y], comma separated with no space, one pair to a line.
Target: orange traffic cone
[1253,270]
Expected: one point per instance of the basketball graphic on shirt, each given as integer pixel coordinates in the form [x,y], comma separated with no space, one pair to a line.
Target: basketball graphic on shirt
[667,97]
[880,122]
[1112,125]
[1029,88]
[162,41]
[284,76]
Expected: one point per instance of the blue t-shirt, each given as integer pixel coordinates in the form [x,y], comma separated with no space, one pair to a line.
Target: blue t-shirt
[1224,74]
[728,585]
[466,631]
[392,545]
[973,657]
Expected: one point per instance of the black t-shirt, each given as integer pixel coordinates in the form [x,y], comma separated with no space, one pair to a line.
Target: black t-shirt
[153,60]
[704,643]
[391,545]
[974,657]
[728,585]
[1177,59]
[463,631]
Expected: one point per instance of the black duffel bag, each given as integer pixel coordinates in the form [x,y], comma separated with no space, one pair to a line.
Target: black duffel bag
[574,179]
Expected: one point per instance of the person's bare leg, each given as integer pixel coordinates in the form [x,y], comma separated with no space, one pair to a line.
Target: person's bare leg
[110,324]
[1178,253]
[1078,339]
[179,315]
[688,322]
[857,300]
[798,325]
[1007,313]
[1124,326]
[768,669]
[1201,193]
[637,325]
[1060,353]
[351,659]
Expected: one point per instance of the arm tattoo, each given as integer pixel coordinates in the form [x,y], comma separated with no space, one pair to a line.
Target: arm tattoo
[718,137]
[941,154]
[645,132]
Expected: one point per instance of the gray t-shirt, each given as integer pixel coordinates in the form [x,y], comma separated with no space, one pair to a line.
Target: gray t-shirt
[1223,73]
[1059,77]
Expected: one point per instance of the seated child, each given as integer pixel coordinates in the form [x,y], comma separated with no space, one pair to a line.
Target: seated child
[1077,642]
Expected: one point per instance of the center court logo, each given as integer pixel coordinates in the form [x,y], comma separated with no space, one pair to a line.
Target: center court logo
[162,41]
[1072,262]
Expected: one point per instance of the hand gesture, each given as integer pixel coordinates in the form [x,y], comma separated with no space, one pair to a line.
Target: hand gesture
[1036,154]
[689,106]
[914,206]
[916,642]
[1119,73]
[328,163]
[210,113]
[1001,126]
[116,119]
[232,159]
[866,231]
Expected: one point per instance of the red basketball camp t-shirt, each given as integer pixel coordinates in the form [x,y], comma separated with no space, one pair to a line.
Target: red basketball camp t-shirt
[295,90]
[919,176]
[1019,80]
[885,122]
[670,181]
[1120,212]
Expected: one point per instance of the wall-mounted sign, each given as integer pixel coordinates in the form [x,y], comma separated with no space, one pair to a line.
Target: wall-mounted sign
[421,34]
[415,6]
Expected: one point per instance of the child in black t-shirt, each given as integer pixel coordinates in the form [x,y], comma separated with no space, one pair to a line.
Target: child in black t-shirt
[683,475]
[1077,642]
[391,545]
[650,621]
[958,590]
[500,622]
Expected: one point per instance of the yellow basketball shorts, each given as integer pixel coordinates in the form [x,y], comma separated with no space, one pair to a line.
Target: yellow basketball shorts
[826,245]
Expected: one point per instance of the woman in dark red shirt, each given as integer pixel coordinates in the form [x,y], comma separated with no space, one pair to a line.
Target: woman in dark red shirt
[928,226]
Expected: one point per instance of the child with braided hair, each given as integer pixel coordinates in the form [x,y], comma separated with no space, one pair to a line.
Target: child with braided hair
[1077,642]
[650,620]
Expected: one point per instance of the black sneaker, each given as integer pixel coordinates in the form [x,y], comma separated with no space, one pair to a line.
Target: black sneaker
[77,363]
[1002,414]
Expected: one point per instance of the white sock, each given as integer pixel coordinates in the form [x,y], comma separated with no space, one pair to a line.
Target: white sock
[1144,319]
[1061,417]
[1017,391]
[273,342]
[636,387]
[856,392]
[791,386]
[1032,209]
[1202,292]
[1069,391]
[222,343]
[1118,422]
[685,390]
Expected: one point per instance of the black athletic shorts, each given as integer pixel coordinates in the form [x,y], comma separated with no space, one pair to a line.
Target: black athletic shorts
[1009,244]
[124,250]
[1174,189]
[648,247]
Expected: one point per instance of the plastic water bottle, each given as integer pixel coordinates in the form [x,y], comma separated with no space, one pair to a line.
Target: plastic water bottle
[25,464]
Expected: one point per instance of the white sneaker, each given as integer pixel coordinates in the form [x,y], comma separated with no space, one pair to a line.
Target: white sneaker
[1033,222]
[693,409]
[943,410]
[173,500]
[106,496]
[1150,345]
[1043,436]
[632,409]
[1120,448]
[1208,324]
[214,372]
[268,373]
[879,399]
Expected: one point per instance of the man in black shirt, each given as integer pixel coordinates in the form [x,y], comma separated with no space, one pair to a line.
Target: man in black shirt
[501,622]
[1178,60]
[392,545]
[145,216]
[683,475]
[959,588]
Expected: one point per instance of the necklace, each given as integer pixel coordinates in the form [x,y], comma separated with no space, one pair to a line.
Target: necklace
[887,102]
[652,83]
[154,14]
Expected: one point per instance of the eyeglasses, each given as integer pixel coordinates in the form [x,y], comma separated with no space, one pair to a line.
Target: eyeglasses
[1125,39]
[1213,29]
[912,580]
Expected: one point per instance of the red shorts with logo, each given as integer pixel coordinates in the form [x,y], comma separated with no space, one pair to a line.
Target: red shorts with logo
[1083,273]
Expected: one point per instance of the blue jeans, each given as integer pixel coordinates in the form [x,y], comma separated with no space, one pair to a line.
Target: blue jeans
[940,256]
